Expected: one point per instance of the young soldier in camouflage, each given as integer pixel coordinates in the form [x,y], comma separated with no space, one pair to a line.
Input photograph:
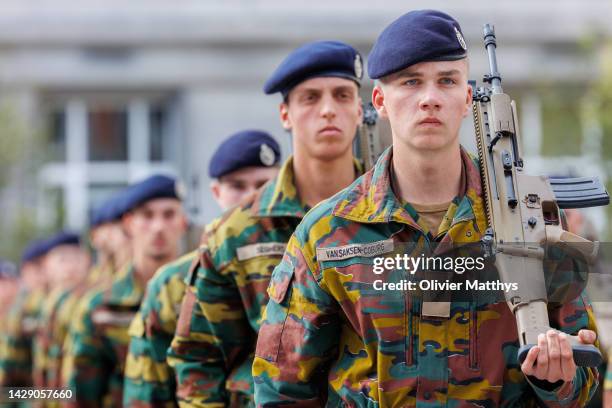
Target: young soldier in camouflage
[215,337]
[97,342]
[16,341]
[329,338]
[149,381]
[65,264]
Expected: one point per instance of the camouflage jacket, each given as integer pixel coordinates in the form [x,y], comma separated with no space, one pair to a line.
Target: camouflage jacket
[96,345]
[99,276]
[220,315]
[43,339]
[608,376]
[329,339]
[149,381]
[16,343]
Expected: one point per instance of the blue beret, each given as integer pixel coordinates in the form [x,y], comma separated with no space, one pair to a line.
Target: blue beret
[417,36]
[33,250]
[61,238]
[316,59]
[110,210]
[8,270]
[156,186]
[243,149]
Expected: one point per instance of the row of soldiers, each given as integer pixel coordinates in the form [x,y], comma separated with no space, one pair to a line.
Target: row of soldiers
[262,313]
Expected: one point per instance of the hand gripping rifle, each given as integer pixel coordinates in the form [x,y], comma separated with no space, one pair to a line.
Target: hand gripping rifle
[523,212]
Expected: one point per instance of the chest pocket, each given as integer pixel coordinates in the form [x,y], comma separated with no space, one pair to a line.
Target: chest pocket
[275,314]
[375,312]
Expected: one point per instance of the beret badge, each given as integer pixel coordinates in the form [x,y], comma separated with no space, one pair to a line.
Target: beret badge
[460,39]
[266,155]
[358,66]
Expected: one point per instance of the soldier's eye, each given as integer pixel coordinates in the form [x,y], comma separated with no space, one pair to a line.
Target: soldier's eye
[411,82]
[447,81]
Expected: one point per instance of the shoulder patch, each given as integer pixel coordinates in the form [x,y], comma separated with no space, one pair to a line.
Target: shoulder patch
[349,251]
[263,249]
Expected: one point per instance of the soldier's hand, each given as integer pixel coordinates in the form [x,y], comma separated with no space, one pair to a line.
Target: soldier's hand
[552,359]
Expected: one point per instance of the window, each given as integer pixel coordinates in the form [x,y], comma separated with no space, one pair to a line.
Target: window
[108,134]
[57,136]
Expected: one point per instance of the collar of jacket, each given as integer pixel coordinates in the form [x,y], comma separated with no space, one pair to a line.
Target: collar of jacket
[279,198]
[372,200]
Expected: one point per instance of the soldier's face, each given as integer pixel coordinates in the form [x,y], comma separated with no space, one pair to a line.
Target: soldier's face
[425,103]
[66,264]
[32,275]
[155,228]
[8,291]
[233,187]
[323,115]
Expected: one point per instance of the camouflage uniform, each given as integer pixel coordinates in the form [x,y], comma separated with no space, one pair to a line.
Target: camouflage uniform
[59,322]
[43,338]
[608,379]
[16,344]
[328,339]
[222,308]
[149,381]
[96,345]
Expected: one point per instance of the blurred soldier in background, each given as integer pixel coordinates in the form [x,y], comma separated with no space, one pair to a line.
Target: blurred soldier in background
[9,284]
[240,166]
[16,340]
[220,314]
[96,347]
[112,248]
[66,264]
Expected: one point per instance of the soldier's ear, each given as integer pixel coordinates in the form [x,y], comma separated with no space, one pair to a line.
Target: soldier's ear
[215,189]
[284,116]
[378,100]
[468,102]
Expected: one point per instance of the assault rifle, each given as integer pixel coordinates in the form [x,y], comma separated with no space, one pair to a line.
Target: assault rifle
[523,211]
[368,146]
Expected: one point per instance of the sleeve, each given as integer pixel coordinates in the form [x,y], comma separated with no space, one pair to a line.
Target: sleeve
[87,365]
[298,337]
[571,318]
[211,334]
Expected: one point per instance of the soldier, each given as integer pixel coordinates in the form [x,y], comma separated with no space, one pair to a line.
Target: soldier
[149,381]
[108,239]
[215,338]
[9,283]
[329,338]
[16,342]
[66,264]
[97,342]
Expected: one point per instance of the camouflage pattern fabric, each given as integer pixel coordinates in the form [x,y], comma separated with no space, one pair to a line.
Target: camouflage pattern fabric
[96,346]
[219,319]
[328,338]
[16,342]
[149,381]
[44,335]
[58,323]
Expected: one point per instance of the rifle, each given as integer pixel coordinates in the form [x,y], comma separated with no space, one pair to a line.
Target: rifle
[523,211]
[369,146]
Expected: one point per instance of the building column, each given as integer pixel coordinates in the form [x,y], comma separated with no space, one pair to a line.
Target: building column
[75,183]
